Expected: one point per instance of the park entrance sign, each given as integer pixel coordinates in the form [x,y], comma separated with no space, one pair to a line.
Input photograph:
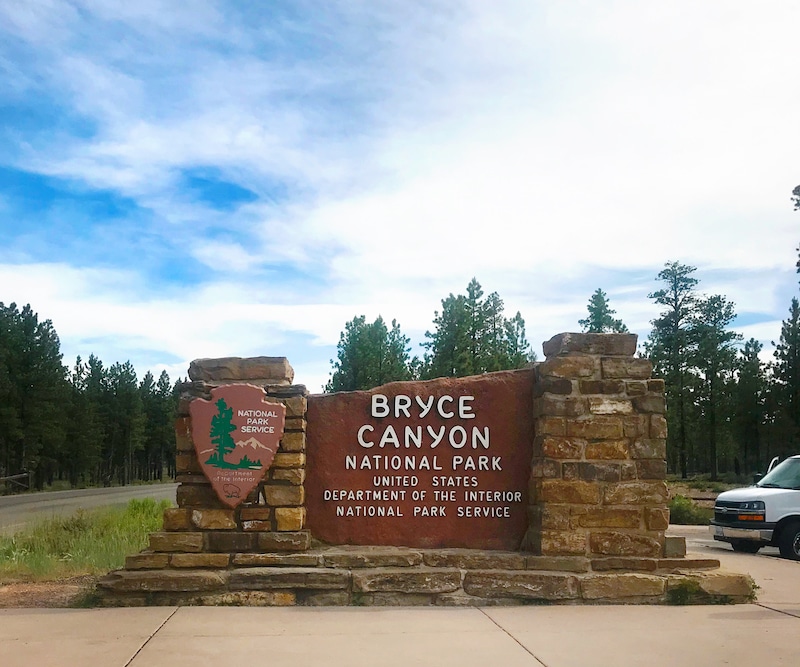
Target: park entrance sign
[543,484]
[236,436]
[443,463]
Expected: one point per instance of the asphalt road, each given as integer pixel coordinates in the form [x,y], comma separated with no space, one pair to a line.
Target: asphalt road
[18,510]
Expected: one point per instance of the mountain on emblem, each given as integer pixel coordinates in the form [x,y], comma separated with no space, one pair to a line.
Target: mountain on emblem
[236,435]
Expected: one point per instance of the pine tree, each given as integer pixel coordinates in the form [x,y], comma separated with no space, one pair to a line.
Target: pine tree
[601,316]
[714,359]
[221,428]
[369,355]
[750,405]
[669,347]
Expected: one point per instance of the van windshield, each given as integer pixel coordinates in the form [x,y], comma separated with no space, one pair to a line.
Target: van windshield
[785,475]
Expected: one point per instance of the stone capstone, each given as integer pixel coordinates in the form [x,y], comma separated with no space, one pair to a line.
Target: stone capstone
[265,370]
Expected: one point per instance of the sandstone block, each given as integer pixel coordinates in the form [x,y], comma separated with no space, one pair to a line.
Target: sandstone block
[468,559]
[557,491]
[290,519]
[674,547]
[213,519]
[646,448]
[716,584]
[557,563]
[602,386]
[289,460]
[163,580]
[562,543]
[591,343]
[636,426]
[570,368]
[256,525]
[656,404]
[177,519]
[607,449]
[295,424]
[620,586]
[296,406]
[248,599]
[614,543]
[614,563]
[281,495]
[562,448]
[146,561]
[311,598]
[636,493]
[294,541]
[295,476]
[393,599]
[550,426]
[605,517]
[527,584]
[636,388]
[595,427]
[609,406]
[371,557]
[183,435]
[268,370]
[293,441]
[633,369]
[658,426]
[680,565]
[200,560]
[556,517]
[186,462]
[219,541]
[169,542]
[405,580]
[288,577]
[570,471]
[198,495]
[627,471]
[545,468]
[651,469]
[255,513]
[549,385]
[656,386]
[277,560]
[657,518]
[599,472]
[559,406]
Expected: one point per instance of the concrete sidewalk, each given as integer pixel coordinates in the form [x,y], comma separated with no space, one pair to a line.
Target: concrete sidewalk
[555,636]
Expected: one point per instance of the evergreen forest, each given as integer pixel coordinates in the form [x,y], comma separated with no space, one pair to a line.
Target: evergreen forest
[731,405]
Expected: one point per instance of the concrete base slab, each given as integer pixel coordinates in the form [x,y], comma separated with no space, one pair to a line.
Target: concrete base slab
[72,637]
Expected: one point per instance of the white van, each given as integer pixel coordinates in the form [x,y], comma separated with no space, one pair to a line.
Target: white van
[767,513]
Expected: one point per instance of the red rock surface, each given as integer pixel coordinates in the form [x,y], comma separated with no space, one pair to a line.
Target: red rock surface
[501,405]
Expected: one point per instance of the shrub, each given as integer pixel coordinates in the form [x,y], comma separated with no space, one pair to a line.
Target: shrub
[683,511]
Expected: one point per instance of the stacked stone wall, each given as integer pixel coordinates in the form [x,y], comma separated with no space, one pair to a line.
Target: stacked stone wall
[202,530]
[598,474]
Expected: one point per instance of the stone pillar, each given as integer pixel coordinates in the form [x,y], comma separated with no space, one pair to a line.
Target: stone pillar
[597,481]
[273,517]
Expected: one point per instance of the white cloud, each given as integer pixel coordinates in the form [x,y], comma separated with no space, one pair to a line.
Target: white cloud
[398,149]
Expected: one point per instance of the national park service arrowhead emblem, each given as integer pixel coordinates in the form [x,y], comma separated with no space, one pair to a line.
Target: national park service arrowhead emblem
[236,435]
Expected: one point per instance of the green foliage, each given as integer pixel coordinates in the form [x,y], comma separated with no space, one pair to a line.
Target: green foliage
[83,543]
[683,512]
[601,316]
[472,336]
[370,355]
[221,428]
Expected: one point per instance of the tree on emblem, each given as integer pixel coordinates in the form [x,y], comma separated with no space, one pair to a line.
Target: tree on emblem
[221,428]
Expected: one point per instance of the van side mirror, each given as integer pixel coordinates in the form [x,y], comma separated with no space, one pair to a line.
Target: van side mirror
[757,477]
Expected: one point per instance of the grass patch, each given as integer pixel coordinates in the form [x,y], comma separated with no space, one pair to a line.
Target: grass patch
[88,542]
[683,511]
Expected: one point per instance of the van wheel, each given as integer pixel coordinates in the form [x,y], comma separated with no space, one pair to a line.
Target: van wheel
[746,546]
[789,542]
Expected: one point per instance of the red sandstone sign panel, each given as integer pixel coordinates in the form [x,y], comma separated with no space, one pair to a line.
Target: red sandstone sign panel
[442,463]
[236,435]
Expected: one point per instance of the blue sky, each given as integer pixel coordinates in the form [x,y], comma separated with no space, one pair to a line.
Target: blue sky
[183,180]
